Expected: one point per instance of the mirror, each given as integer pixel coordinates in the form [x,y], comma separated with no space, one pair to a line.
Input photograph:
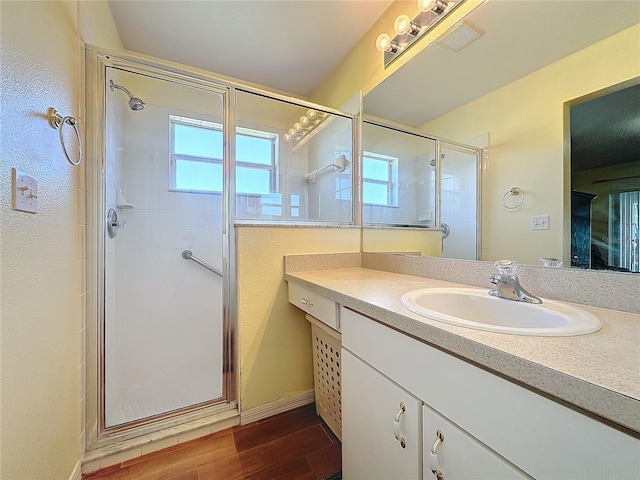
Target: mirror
[516,85]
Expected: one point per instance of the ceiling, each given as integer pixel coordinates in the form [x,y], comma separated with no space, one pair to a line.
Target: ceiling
[605,131]
[290,46]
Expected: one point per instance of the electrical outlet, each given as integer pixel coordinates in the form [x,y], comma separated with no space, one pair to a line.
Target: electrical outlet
[24,192]
[540,222]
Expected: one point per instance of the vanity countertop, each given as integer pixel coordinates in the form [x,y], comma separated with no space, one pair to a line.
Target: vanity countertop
[599,372]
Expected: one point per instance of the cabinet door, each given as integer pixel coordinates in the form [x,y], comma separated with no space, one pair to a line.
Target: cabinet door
[459,456]
[371,418]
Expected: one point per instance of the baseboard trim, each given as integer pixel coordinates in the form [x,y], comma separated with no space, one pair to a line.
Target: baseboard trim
[274,408]
[77,472]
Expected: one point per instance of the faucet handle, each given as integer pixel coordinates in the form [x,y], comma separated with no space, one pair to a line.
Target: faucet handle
[506,267]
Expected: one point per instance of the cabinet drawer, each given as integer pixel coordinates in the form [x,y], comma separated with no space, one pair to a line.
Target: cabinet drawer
[315,305]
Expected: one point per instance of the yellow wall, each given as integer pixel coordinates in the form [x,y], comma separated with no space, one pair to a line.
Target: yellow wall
[525,122]
[427,243]
[363,67]
[274,337]
[97,26]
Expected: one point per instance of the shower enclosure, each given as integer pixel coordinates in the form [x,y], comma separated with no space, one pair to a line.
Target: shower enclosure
[164,328]
[176,158]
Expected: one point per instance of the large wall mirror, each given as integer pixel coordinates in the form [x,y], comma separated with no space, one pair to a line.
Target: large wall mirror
[551,90]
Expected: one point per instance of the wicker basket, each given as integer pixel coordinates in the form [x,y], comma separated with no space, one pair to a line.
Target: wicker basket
[326,373]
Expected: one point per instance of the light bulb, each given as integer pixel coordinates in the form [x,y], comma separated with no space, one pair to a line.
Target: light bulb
[312,114]
[426,5]
[287,137]
[437,6]
[403,25]
[292,132]
[297,127]
[383,42]
[304,121]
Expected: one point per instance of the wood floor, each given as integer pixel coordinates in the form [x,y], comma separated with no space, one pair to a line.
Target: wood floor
[296,445]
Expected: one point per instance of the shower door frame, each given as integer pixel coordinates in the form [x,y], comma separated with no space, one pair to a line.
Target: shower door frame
[478,152]
[97,62]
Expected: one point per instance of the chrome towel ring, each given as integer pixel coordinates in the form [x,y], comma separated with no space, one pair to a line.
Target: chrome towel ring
[513,191]
[58,122]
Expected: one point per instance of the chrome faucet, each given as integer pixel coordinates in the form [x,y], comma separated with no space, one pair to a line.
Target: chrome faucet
[507,283]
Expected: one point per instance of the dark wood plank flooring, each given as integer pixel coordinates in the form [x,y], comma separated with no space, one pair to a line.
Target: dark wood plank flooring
[295,445]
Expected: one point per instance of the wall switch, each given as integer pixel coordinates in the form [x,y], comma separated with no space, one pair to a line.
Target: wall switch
[24,192]
[540,222]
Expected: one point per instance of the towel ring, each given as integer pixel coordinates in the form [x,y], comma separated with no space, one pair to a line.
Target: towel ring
[58,122]
[513,191]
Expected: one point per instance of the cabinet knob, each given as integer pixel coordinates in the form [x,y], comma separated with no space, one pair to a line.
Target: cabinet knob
[304,301]
[396,425]
[433,456]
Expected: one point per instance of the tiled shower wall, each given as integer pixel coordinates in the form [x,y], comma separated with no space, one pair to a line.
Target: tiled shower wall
[330,198]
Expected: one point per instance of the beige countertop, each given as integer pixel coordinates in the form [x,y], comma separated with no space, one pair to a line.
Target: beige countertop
[599,372]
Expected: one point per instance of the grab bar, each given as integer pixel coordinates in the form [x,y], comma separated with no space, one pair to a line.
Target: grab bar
[188,255]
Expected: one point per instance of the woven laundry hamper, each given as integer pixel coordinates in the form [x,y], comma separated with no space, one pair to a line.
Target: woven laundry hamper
[327,343]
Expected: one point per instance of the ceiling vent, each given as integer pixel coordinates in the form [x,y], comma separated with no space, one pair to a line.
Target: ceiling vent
[459,37]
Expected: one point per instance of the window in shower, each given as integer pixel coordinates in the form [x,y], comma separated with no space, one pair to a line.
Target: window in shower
[379,179]
[197,149]
[398,177]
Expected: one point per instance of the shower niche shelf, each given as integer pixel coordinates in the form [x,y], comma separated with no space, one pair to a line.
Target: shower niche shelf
[121,200]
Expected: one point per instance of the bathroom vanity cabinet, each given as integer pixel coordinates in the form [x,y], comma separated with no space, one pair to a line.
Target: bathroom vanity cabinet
[491,427]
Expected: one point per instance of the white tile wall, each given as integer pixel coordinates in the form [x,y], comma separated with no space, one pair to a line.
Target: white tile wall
[163,331]
[458,172]
[331,200]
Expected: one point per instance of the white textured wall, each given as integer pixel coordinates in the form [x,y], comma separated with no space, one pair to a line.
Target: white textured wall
[40,335]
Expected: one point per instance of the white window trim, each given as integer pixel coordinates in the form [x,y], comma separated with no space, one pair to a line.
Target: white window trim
[392,182]
[178,120]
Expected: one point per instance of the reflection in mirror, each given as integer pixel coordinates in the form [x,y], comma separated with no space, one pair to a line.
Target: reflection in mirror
[513,85]
[605,181]
[399,191]
[412,182]
[459,201]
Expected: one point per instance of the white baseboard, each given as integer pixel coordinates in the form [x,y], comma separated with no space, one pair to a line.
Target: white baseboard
[274,408]
[77,472]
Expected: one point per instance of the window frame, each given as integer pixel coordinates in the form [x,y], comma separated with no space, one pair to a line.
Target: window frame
[391,182]
[272,167]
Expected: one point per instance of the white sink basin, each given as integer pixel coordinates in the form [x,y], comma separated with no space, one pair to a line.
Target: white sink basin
[475,308]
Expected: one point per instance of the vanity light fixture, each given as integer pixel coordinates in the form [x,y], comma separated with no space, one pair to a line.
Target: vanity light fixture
[304,126]
[408,31]
[403,25]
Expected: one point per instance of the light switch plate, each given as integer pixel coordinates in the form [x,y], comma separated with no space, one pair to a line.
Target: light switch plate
[540,222]
[24,192]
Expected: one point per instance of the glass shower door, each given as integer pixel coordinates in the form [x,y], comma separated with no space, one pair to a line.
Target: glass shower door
[459,171]
[163,328]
